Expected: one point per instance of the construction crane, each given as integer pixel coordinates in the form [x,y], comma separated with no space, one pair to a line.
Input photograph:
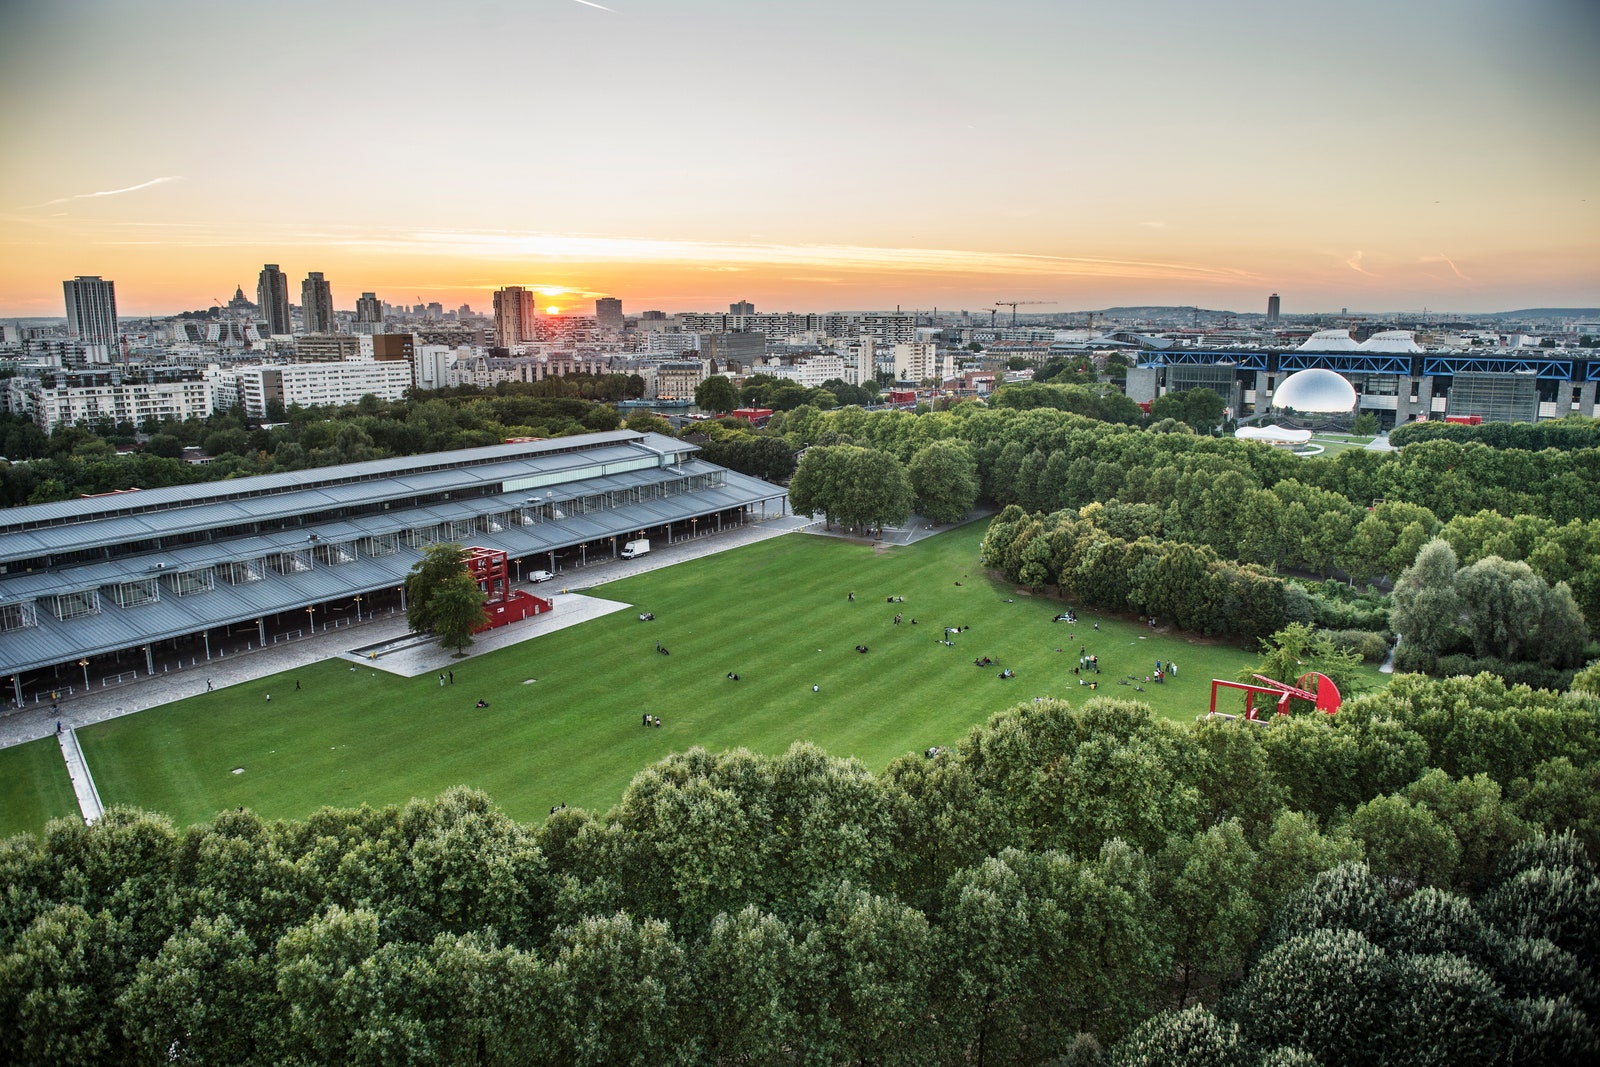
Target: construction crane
[1012,304]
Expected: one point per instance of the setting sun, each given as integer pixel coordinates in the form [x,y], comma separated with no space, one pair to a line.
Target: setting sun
[552,310]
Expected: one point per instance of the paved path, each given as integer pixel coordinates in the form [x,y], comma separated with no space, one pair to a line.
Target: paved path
[29,724]
[82,780]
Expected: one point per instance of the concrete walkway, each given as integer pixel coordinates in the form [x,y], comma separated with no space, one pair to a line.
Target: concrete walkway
[82,780]
[351,642]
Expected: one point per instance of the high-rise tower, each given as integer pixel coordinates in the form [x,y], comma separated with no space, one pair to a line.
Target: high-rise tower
[1272,308]
[514,318]
[369,309]
[316,303]
[272,294]
[608,314]
[92,314]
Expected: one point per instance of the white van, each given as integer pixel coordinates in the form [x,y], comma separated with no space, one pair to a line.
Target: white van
[635,549]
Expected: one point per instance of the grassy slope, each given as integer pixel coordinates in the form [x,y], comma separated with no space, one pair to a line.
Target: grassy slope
[574,735]
[34,787]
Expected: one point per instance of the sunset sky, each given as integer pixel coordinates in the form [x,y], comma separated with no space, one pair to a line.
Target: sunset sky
[806,155]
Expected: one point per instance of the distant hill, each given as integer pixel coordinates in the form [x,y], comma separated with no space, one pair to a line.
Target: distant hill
[1546,313]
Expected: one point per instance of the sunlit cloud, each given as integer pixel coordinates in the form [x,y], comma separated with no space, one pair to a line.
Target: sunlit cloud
[1456,271]
[1354,263]
[1154,224]
[591,3]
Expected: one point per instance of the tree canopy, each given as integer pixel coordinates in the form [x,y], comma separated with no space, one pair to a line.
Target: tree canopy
[1076,885]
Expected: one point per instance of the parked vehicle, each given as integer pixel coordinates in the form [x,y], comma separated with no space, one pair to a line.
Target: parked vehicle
[540,576]
[635,549]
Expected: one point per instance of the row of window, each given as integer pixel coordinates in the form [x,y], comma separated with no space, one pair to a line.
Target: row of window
[136,592]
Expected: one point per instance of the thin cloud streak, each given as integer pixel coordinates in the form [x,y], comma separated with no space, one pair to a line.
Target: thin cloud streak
[848,257]
[112,192]
[591,3]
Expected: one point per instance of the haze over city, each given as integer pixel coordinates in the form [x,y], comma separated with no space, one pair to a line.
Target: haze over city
[818,155]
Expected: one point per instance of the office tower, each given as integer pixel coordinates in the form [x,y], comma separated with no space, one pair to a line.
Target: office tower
[1272,308]
[369,308]
[92,311]
[743,307]
[514,319]
[272,294]
[608,313]
[316,303]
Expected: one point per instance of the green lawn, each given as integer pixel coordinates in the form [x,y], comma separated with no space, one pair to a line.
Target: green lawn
[34,787]
[774,612]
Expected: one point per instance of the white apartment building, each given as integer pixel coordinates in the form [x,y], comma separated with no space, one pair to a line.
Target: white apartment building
[811,372]
[66,397]
[921,361]
[320,384]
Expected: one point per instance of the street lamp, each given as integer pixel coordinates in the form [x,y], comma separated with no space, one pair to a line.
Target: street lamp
[694,527]
[84,663]
[311,618]
[358,609]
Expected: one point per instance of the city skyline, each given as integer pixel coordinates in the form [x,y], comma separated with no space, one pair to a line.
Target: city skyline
[812,156]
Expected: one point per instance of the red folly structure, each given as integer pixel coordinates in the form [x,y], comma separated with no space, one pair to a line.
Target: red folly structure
[503,604]
[1322,692]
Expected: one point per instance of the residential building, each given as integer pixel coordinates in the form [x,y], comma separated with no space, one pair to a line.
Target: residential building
[320,384]
[117,394]
[272,293]
[326,347]
[515,321]
[1272,309]
[92,315]
[316,304]
[743,307]
[920,362]
[369,313]
[678,380]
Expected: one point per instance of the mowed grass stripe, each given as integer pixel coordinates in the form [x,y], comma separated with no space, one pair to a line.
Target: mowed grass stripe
[574,735]
[34,787]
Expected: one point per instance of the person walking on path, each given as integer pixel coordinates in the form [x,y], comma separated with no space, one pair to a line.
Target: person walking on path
[208,685]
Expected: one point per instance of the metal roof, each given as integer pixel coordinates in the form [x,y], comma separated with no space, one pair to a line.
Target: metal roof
[115,627]
[545,454]
[240,504]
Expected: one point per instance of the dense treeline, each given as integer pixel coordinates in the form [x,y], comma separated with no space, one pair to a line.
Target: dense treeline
[1572,433]
[1361,515]
[1082,555]
[1373,889]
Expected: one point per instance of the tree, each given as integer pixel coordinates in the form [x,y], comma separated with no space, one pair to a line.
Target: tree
[458,611]
[717,394]
[442,597]
[945,481]
[860,488]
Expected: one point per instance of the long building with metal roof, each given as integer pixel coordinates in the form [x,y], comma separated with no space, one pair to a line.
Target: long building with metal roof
[118,583]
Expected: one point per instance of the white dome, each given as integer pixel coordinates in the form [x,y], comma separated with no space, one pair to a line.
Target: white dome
[1397,341]
[1330,341]
[1314,392]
